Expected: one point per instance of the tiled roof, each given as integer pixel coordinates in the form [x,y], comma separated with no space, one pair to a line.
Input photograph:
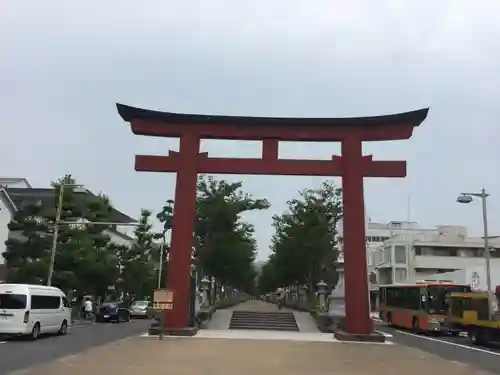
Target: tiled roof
[20,196]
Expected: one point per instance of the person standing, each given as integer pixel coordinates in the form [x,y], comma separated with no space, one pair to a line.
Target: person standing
[87,308]
[280,294]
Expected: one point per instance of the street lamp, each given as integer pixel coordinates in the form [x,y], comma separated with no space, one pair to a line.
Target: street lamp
[467,198]
[162,256]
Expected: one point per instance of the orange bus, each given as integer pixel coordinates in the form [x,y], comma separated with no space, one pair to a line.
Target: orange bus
[421,307]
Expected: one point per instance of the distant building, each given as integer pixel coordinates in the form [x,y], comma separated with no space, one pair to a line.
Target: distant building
[401,252]
[416,254]
[376,233]
[475,276]
[16,192]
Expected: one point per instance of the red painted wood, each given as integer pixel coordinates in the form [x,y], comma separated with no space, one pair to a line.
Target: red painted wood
[357,304]
[291,167]
[182,232]
[312,133]
[351,165]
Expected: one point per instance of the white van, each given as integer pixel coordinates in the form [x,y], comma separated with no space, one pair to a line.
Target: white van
[33,310]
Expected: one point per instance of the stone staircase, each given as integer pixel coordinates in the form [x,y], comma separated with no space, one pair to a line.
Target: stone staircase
[269,321]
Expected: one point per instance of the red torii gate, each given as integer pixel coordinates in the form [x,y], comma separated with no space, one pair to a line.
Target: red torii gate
[352,166]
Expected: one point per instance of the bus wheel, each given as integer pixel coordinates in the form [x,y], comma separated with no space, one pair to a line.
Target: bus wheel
[478,336]
[415,325]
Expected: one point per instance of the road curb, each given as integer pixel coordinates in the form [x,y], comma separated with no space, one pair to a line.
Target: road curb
[82,324]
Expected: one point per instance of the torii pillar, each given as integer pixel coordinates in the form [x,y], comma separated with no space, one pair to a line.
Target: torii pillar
[351,165]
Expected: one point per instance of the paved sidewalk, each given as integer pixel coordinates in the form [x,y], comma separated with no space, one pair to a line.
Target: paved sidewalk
[191,356]
[258,306]
[222,318]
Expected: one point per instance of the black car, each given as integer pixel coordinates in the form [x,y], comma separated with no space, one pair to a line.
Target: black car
[113,312]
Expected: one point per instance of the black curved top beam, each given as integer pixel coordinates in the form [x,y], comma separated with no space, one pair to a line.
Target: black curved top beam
[128,113]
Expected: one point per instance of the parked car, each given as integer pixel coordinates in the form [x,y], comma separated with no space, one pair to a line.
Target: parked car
[141,309]
[112,312]
[33,310]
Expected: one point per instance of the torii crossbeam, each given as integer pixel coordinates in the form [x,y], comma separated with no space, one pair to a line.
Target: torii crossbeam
[351,165]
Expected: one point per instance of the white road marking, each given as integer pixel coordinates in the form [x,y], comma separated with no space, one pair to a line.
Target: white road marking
[383,333]
[3,342]
[450,343]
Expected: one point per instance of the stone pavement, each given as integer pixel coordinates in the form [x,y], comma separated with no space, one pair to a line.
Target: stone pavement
[222,318]
[206,356]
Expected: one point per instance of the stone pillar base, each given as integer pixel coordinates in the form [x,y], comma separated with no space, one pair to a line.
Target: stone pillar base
[187,331]
[154,330]
[358,337]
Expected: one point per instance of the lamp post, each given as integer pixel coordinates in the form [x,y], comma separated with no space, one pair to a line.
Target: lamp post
[467,198]
[56,230]
[162,256]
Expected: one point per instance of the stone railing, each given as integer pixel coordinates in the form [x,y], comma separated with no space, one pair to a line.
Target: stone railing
[219,297]
[299,301]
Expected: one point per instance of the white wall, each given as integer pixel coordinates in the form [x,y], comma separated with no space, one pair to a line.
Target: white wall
[118,240]
[466,276]
[14,182]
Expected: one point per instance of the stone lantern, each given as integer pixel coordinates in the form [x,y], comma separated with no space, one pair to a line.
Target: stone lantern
[322,289]
[205,284]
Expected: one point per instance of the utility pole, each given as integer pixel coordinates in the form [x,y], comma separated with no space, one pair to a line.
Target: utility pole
[56,234]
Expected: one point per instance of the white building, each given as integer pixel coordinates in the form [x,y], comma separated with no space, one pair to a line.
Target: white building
[474,276]
[376,234]
[400,251]
[417,254]
[14,192]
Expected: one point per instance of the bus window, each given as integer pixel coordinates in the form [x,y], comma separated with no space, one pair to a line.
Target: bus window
[438,297]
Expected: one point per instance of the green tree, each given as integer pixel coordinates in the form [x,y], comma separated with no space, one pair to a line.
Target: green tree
[224,243]
[27,247]
[138,262]
[96,261]
[83,258]
[165,217]
[304,245]
[225,247]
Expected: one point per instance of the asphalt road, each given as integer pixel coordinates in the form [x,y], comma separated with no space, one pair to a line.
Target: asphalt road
[456,349]
[20,354]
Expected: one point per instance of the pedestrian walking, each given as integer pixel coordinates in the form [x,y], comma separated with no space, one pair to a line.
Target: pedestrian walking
[87,308]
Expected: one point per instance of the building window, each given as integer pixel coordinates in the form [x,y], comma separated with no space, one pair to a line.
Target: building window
[376,238]
[387,255]
[400,275]
[418,251]
[400,254]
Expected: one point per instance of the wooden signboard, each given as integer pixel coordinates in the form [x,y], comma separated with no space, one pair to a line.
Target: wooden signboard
[163,299]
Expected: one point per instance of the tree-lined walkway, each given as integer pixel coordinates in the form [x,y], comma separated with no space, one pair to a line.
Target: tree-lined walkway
[222,318]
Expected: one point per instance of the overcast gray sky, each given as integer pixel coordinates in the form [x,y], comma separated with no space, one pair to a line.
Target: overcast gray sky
[64,65]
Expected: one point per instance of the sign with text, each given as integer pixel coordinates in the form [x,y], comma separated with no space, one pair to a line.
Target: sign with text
[163,295]
[162,306]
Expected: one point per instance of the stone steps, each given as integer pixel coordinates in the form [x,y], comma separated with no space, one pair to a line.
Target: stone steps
[269,321]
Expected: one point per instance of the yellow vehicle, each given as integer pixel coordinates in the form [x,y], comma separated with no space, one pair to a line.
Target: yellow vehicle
[470,312]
